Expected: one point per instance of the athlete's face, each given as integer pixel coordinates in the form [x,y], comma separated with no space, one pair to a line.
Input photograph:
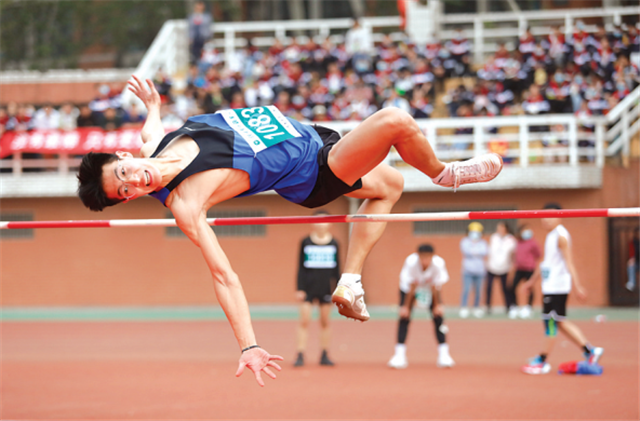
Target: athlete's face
[129,178]
[425,259]
[550,223]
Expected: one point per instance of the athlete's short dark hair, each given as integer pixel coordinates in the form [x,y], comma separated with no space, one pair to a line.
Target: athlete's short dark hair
[552,205]
[90,188]
[425,248]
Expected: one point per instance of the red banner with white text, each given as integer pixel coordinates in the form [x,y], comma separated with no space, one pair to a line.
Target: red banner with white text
[79,141]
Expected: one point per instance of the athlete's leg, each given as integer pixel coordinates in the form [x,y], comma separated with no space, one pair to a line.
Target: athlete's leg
[325,328]
[303,326]
[367,145]
[381,189]
[325,333]
[573,332]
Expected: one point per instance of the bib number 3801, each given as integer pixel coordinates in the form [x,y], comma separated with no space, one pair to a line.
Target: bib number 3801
[260,127]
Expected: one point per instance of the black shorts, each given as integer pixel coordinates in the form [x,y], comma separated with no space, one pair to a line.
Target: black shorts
[554,307]
[321,298]
[328,187]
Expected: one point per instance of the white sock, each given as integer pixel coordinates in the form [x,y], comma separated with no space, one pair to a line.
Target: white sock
[353,281]
[401,349]
[443,348]
[444,177]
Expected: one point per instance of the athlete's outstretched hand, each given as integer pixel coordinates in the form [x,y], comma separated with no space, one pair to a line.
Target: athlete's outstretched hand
[257,360]
[151,97]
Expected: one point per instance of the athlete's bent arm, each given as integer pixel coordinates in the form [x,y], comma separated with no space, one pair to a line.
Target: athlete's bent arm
[152,131]
[228,291]
[405,310]
[565,249]
[435,298]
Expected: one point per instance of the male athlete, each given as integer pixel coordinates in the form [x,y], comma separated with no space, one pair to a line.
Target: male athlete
[232,153]
[558,274]
[422,270]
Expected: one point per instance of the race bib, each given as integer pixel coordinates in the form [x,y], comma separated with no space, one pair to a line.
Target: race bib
[260,127]
[545,272]
[423,297]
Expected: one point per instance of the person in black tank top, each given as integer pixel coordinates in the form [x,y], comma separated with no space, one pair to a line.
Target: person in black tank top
[109,179]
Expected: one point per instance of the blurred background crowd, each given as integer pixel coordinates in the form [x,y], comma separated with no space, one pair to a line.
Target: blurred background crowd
[585,73]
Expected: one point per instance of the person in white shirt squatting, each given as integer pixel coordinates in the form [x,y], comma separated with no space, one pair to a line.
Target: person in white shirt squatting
[422,271]
[558,274]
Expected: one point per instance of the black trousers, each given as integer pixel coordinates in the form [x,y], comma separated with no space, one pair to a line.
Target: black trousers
[505,291]
[521,275]
[403,323]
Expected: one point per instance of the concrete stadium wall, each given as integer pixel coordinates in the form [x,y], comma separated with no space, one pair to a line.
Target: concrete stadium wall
[144,267]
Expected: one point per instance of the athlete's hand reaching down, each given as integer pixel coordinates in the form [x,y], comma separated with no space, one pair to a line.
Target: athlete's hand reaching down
[257,360]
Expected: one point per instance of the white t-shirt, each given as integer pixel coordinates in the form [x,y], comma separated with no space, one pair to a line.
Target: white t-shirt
[436,274]
[556,278]
[501,250]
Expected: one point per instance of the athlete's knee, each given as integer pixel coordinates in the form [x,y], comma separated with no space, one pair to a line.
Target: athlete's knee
[398,121]
[394,183]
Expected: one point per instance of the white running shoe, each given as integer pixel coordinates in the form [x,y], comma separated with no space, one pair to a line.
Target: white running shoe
[525,312]
[398,362]
[594,355]
[513,312]
[349,303]
[464,313]
[480,169]
[478,313]
[445,360]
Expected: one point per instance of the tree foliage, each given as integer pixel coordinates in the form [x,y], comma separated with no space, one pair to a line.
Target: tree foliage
[54,33]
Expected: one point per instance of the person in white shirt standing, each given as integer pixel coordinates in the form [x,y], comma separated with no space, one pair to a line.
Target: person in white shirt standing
[558,275]
[502,246]
[422,271]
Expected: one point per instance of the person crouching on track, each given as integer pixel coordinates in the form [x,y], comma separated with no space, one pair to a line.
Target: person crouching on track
[422,270]
[318,273]
[558,273]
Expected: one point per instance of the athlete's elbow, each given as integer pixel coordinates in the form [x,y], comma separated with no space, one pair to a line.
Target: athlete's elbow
[225,278]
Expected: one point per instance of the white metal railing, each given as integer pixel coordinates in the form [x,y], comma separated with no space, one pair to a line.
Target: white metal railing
[523,140]
[539,21]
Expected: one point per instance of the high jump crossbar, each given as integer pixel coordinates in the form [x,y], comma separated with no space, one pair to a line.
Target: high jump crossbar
[286,220]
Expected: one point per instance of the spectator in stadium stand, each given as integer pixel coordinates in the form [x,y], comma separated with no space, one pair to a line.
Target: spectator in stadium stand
[69,116]
[556,140]
[46,118]
[334,78]
[420,106]
[200,22]
[535,103]
[110,120]
[132,117]
[359,45]
[86,117]
[11,118]
[585,125]
[102,100]
[459,49]
[395,100]
[526,45]
[598,105]
[603,59]
[320,114]
[558,92]
[24,121]
[501,98]
[556,47]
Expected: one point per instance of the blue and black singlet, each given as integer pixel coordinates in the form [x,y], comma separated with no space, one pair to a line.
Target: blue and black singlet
[278,153]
